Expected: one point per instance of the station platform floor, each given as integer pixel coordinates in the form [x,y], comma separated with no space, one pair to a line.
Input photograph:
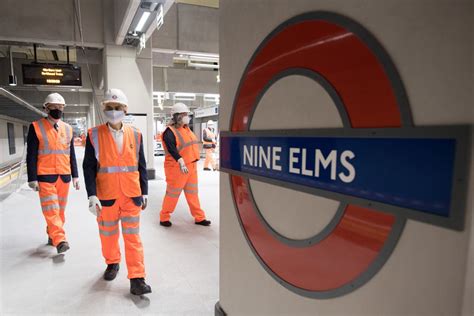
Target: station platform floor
[181,262]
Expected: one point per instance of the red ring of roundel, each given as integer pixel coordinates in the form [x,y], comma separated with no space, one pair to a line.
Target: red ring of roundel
[358,76]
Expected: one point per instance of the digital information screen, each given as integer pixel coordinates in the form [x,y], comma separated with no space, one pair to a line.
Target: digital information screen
[52,75]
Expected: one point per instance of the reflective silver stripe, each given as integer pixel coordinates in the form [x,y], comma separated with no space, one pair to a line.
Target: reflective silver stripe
[43,133]
[118,169]
[95,141]
[108,223]
[47,150]
[130,219]
[174,190]
[188,144]
[54,152]
[108,233]
[49,198]
[180,137]
[137,142]
[68,134]
[135,230]
[191,191]
[62,199]
[50,207]
[191,185]
[172,195]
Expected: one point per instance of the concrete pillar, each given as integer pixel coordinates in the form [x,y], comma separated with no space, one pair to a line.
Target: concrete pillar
[430,272]
[132,73]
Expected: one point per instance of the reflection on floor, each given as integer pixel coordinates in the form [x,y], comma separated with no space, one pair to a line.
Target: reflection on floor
[181,262]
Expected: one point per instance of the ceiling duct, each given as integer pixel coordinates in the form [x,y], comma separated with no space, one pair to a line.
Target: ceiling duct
[147,17]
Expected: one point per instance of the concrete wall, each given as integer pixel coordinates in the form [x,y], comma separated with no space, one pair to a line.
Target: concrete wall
[50,21]
[5,156]
[133,75]
[430,43]
[190,28]
[17,68]
[185,80]
[80,96]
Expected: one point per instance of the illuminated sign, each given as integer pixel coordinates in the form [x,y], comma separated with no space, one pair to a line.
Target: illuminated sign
[58,75]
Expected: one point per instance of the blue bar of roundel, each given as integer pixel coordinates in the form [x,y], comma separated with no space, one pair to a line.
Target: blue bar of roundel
[414,173]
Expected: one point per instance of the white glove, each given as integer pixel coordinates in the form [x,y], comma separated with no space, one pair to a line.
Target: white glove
[145,201]
[75,183]
[182,166]
[94,205]
[34,185]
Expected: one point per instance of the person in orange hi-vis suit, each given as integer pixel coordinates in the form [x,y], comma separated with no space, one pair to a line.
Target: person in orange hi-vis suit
[209,145]
[51,161]
[117,186]
[181,154]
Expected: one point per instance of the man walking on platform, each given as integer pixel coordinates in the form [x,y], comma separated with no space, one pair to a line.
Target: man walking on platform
[51,161]
[117,187]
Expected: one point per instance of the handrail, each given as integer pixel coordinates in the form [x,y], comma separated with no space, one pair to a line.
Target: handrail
[5,170]
[20,101]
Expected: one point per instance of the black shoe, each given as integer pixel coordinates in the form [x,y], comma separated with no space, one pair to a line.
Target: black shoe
[139,287]
[63,246]
[207,169]
[204,222]
[50,242]
[166,223]
[111,271]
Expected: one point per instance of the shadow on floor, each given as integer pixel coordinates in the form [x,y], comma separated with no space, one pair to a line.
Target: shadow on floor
[41,252]
[45,252]
[140,301]
[100,285]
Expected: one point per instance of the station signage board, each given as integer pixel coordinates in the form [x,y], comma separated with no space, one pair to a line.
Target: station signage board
[381,168]
[51,75]
[204,112]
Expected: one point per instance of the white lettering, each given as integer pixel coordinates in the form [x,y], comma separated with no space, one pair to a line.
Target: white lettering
[255,156]
[330,160]
[305,171]
[352,173]
[248,155]
[265,157]
[276,158]
[294,160]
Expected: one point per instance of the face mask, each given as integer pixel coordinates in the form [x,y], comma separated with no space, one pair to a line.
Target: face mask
[185,120]
[55,114]
[114,117]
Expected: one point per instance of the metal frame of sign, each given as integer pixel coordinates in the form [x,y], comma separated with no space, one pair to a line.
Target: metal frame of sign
[460,176]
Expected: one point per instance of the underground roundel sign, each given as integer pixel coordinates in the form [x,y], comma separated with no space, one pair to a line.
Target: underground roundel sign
[381,168]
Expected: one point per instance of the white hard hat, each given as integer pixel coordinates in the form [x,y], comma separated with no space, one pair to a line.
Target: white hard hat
[55,98]
[179,108]
[210,122]
[116,96]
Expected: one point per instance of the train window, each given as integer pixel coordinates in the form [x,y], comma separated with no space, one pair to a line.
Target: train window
[25,133]
[11,138]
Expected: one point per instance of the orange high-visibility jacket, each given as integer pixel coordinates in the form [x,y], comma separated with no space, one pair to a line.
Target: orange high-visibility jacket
[54,147]
[116,173]
[186,143]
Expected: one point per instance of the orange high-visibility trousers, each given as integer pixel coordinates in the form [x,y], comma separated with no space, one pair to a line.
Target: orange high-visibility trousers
[210,158]
[177,182]
[53,198]
[125,211]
